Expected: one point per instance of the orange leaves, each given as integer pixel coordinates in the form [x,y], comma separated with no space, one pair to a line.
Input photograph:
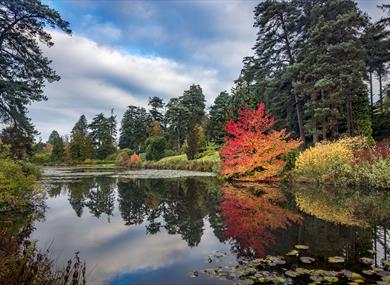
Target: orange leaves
[250,219]
[253,152]
[134,158]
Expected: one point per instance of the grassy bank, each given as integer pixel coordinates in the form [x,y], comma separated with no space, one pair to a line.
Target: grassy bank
[207,161]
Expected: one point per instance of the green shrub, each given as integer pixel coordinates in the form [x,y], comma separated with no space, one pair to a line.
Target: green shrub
[122,158]
[290,159]
[41,158]
[17,187]
[142,156]
[155,148]
[90,161]
[373,174]
[31,169]
[210,151]
[169,152]
[112,156]
[173,159]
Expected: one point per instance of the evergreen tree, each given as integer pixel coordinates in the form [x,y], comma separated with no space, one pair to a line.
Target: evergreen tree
[58,152]
[156,104]
[177,116]
[218,118]
[81,146]
[113,126]
[20,142]
[331,67]
[133,128]
[23,67]
[195,141]
[281,29]
[377,50]
[194,100]
[53,135]
[81,126]
[101,133]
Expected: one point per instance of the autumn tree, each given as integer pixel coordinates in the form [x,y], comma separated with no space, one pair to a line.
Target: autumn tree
[253,150]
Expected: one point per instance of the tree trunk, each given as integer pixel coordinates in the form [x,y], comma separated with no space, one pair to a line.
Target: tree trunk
[371,93]
[380,92]
[298,106]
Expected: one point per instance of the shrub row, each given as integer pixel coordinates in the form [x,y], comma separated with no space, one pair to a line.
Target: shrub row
[348,161]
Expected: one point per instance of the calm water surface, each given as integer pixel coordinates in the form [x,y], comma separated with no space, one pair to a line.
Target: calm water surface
[155,227]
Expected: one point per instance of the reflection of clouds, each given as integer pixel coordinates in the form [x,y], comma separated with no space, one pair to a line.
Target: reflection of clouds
[111,248]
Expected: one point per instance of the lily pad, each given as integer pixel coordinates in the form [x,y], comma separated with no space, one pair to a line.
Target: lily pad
[366,260]
[301,246]
[331,279]
[293,252]
[276,260]
[336,259]
[307,259]
[291,273]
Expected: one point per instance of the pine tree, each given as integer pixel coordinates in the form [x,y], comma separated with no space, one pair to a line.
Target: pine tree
[24,69]
[53,135]
[331,67]
[177,117]
[133,130]
[58,152]
[101,133]
[218,117]
[81,126]
[156,104]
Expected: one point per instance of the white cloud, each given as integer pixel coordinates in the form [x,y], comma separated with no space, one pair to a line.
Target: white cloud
[96,78]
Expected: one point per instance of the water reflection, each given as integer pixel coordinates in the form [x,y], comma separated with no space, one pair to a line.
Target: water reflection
[141,230]
[252,216]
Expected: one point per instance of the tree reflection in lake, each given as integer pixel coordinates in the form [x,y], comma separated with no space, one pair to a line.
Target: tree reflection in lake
[252,215]
[179,206]
[182,220]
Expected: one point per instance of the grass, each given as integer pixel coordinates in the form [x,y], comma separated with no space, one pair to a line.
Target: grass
[207,163]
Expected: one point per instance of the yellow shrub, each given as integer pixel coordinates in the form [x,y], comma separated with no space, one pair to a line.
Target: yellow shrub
[328,160]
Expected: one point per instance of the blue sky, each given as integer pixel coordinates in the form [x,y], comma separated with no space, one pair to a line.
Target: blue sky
[122,52]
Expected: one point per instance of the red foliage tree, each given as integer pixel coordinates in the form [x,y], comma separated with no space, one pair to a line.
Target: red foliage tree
[253,150]
[250,219]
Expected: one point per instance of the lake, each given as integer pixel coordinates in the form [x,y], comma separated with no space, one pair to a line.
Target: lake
[167,227]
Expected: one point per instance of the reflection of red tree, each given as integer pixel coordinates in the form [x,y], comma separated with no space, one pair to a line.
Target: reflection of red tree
[250,219]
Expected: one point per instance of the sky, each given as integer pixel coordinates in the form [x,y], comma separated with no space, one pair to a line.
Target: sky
[123,52]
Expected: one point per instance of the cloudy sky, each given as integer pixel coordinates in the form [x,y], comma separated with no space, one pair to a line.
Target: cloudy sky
[122,52]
